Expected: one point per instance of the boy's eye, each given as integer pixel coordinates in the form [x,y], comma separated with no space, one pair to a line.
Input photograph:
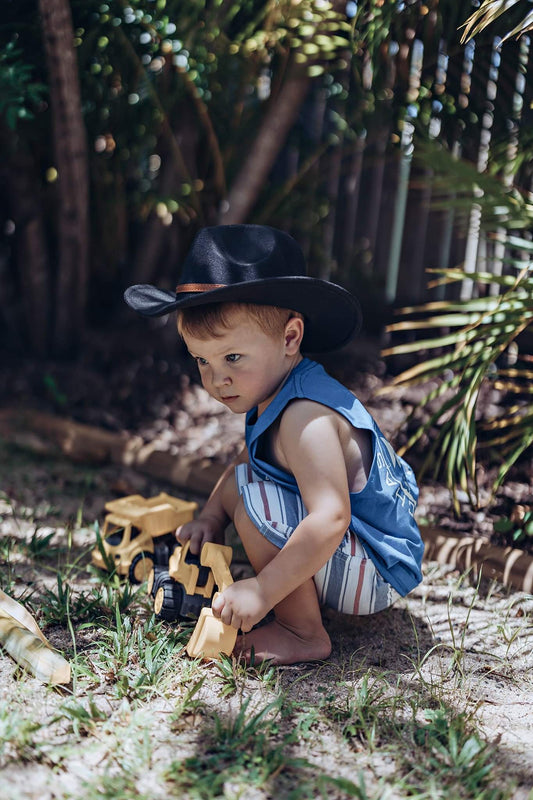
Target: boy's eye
[201,361]
[233,357]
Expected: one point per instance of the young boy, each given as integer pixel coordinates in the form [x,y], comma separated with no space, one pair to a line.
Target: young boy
[322,504]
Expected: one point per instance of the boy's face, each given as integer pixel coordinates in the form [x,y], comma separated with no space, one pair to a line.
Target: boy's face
[245,367]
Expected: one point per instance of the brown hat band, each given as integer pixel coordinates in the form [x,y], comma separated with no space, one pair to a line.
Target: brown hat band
[198,287]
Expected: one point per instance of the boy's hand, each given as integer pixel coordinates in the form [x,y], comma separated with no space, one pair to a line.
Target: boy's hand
[199,531]
[242,605]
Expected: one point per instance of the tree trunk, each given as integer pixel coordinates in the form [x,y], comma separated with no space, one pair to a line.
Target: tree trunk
[352,189]
[31,248]
[70,152]
[256,167]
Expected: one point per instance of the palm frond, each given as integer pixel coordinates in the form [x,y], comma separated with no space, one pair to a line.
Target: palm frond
[488,12]
[482,17]
[469,339]
[524,26]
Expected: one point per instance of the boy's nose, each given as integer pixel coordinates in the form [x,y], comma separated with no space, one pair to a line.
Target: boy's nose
[221,379]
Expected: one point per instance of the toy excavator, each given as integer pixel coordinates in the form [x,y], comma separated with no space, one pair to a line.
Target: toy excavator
[188,589]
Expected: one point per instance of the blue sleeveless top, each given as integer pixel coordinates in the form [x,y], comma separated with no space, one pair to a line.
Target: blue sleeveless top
[383,511]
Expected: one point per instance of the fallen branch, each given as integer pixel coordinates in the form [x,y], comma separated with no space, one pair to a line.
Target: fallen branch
[50,435]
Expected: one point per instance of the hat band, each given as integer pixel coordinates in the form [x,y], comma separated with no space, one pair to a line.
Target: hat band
[198,287]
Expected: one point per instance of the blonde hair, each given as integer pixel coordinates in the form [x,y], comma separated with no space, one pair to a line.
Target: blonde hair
[210,320]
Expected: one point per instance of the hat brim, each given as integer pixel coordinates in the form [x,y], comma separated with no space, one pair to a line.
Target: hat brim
[332,315]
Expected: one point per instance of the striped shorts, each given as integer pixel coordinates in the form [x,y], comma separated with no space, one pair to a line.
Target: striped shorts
[349,582]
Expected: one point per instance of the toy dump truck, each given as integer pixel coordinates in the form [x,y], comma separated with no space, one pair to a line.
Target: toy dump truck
[138,533]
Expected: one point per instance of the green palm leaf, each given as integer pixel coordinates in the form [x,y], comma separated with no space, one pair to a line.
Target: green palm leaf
[478,334]
[488,12]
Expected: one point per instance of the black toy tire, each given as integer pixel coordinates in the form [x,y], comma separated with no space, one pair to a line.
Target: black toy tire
[168,598]
[161,554]
[140,567]
[154,576]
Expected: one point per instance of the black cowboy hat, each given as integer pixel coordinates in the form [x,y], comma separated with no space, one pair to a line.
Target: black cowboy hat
[255,264]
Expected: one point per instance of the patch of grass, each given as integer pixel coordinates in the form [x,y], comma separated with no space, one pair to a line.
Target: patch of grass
[306,720]
[367,716]
[449,655]
[39,546]
[136,659]
[234,675]
[342,787]
[109,561]
[17,735]
[438,751]
[250,750]
[265,673]
[115,784]
[114,594]
[231,674]
[188,708]
[63,605]
[8,546]
[450,759]
[238,749]
[82,716]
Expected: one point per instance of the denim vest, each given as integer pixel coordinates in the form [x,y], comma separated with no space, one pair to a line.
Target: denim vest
[383,511]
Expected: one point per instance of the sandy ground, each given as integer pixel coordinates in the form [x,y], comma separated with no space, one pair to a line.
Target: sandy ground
[492,629]
[473,647]
[475,644]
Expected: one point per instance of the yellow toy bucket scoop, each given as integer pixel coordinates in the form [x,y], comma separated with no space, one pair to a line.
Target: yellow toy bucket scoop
[211,636]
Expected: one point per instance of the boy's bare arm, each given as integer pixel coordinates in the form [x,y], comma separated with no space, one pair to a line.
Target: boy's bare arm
[310,443]
[212,520]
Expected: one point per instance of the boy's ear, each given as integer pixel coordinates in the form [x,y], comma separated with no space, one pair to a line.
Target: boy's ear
[294,331]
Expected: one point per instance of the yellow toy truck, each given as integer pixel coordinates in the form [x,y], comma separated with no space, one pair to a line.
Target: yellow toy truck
[185,586]
[186,590]
[138,533]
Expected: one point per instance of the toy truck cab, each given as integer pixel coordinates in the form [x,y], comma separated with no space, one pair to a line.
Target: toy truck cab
[139,532]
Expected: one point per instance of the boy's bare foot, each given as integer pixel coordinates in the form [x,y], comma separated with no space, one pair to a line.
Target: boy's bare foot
[283,645]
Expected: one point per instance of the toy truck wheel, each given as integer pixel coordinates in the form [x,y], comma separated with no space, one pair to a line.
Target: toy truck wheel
[168,599]
[140,567]
[153,578]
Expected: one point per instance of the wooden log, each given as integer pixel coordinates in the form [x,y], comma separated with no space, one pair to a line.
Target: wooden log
[507,565]
[50,435]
